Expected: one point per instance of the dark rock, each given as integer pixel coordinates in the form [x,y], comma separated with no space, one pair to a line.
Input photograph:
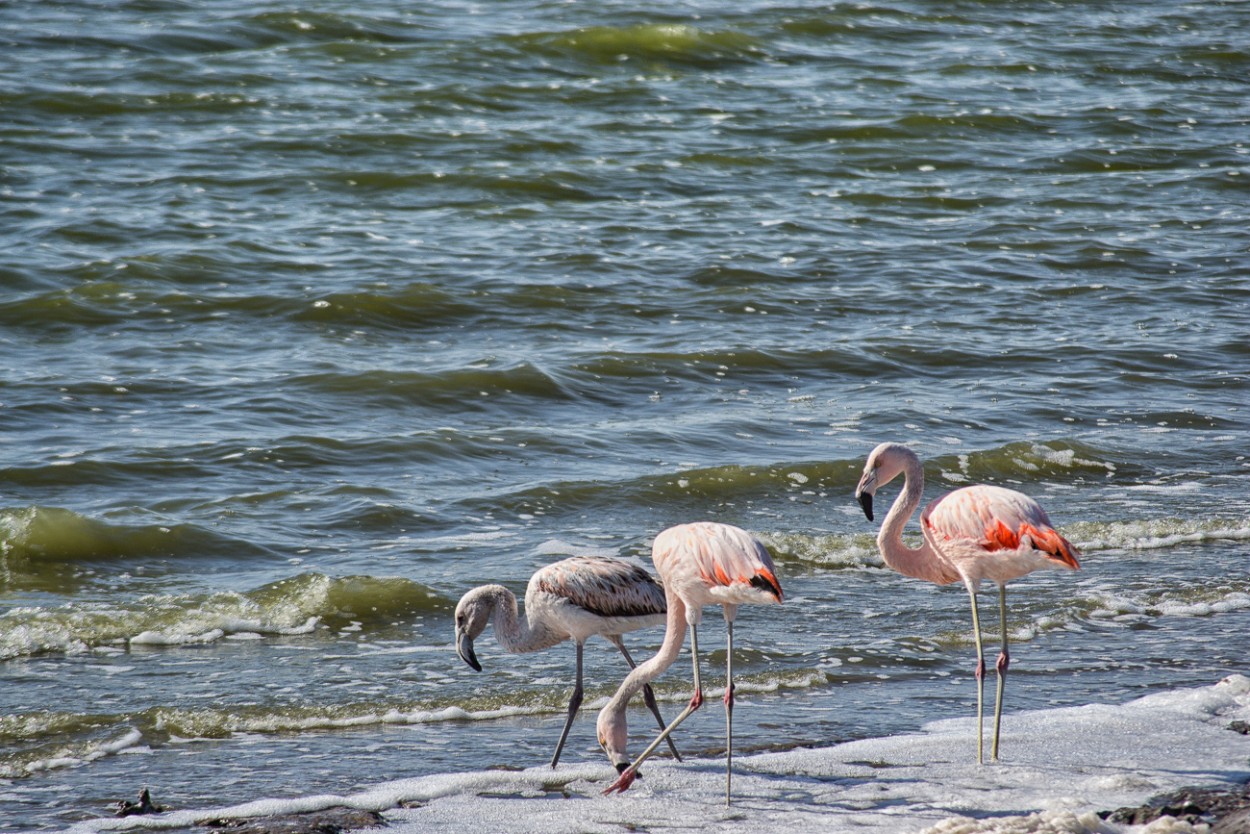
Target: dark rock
[145,805]
[329,821]
[1227,810]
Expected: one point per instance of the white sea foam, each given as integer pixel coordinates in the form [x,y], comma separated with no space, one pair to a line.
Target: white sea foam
[1159,534]
[170,638]
[1060,767]
[226,627]
[128,742]
[1141,606]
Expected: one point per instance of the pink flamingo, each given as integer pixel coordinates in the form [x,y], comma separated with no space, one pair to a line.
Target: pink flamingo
[572,599]
[700,564]
[973,533]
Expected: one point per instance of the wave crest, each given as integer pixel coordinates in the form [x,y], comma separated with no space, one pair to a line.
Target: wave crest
[293,606]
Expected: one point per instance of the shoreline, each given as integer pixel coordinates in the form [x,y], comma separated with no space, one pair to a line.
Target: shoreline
[1225,809]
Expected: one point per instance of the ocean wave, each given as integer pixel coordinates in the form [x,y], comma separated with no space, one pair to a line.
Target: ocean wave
[239,32]
[147,296]
[1025,462]
[826,551]
[1158,533]
[46,547]
[461,386]
[292,606]
[1135,607]
[42,758]
[50,741]
[711,363]
[671,43]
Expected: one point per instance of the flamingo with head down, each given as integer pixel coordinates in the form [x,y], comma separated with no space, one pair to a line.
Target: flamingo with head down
[572,599]
[705,563]
[970,534]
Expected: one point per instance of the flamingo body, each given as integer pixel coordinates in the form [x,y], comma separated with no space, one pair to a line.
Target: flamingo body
[708,563]
[989,532]
[971,534]
[573,599]
[703,563]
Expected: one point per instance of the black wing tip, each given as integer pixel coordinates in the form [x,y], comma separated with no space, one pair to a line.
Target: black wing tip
[767,584]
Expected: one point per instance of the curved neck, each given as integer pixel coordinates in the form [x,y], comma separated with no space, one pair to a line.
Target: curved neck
[644,673]
[514,632]
[920,562]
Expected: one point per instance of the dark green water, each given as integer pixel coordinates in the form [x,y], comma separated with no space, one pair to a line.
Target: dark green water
[314,317]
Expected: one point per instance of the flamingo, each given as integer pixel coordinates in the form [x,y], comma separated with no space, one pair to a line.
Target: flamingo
[972,533]
[700,564]
[572,599]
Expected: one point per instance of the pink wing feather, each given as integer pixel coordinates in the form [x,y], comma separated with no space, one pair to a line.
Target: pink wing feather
[723,556]
[994,519]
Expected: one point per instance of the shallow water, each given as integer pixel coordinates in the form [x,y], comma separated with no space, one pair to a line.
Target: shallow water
[1068,765]
[316,318]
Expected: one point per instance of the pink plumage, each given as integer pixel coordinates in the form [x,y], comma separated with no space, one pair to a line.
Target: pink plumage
[704,563]
[971,534]
[989,532]
[715,563]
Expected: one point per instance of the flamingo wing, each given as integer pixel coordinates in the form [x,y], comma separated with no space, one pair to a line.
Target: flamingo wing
[992,519]
[721,556]
[602,586]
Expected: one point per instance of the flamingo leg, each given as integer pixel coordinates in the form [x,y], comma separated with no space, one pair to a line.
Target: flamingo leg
[575,703]
[980,674]
[729,709]
[629,774]
[648,697]
[1004,660]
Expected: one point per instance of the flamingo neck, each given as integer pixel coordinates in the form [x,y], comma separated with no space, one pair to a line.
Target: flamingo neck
[513,630]
[919,562]
[644,673]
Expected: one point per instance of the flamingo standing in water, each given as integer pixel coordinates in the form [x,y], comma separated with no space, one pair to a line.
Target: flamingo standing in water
[572,599]
[973,533]
[705,563]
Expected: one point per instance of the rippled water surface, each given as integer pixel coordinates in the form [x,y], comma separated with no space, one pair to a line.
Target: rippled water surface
[315,317]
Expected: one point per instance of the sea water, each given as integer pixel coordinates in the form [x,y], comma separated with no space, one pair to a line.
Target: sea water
[315,317]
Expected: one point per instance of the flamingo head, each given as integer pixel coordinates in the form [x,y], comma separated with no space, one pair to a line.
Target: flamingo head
[473,613]
[613,736]
[886,463]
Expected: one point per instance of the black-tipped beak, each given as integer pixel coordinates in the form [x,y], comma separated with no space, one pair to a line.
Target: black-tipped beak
[865,501]
[621,767]
[464,648]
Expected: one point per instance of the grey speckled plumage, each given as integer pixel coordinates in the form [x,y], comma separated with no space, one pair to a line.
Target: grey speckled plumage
[602,586]
[573,599]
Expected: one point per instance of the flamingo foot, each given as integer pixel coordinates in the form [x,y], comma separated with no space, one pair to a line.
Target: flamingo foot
[622,783]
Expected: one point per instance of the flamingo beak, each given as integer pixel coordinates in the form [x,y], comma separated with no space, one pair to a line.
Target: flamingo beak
[464,648]
[621,767]
[865,501]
